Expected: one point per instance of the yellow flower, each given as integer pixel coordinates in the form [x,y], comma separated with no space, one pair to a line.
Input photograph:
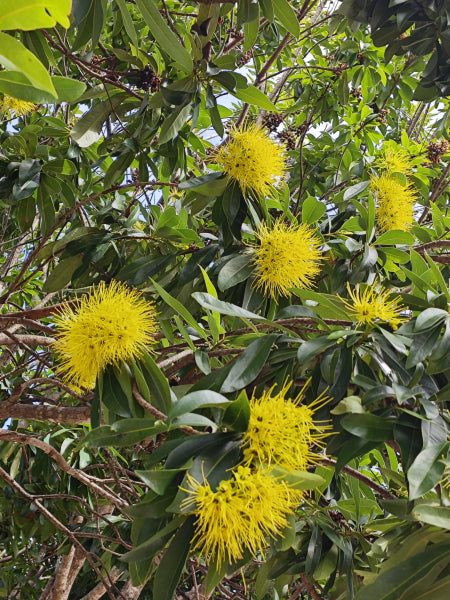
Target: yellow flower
[111,325]
[281,430]
[375,305]
[395,203]
[13,107]
[286,257]
[253,160]
[395,161]
[240,513]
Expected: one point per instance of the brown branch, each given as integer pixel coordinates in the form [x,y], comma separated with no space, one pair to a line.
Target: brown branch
[99,590]
[75,415]
[46,513]
[363,478]
[34,340]
[88,480]
[146,405]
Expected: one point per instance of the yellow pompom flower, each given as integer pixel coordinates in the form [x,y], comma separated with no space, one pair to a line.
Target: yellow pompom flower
[395,203]
[281,431]
[13,107]
[239,514]
[374,305]
[253,160]
[395,161]
[111,325]
[286,257]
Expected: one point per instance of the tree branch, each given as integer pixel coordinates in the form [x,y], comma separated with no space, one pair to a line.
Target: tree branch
[88,480]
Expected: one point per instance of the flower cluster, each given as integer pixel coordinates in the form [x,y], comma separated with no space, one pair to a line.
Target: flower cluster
[240,513]
[395,161]
[111,325]
[253,160]
[281,431]
[286,257]
[373,305]
[253,504]
[395,198]
[13,107]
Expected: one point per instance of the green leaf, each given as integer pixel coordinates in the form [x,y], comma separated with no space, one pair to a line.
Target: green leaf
[154,544]
[433,514]
[172,562]
[238,269]
[299,480]
[17,85]
[426,470]
[267,9]
[368,426]
[62,273]
[312,348]
[14,56]
[355,190]
[422,346]
[157,384]
[172,125]
[390,584]
[128,23]
[160,480]
[164,36]
[87,129]
[237,414]
[429,318]
[123,434]
[196,400]
[225,308]
[312,210]
[326,307]
[180,309]
[251,32]
[34,14]
[253,95]
[395,237]
[249,364]
[287,17]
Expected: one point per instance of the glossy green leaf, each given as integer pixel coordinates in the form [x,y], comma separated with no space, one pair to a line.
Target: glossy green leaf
[196,400]
[433,514]
[312,210]
[426,470]
[235,271]
[249,364]
[253,95]
[395,237]
[157,384]
[14,56]
[16,84]
[368,426]
[165,37]
[393,582]
[287,16]
[225,308]
[179,308]
[34,14]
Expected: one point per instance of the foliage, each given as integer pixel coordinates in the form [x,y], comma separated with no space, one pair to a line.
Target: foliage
[119,180]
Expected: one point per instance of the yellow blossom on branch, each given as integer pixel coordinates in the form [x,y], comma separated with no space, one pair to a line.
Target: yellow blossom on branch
[253,160]
[13,107]
[111,325]
[281,431]
[240,514]
[373,305]
[286,257]
[395,161]
[395,203]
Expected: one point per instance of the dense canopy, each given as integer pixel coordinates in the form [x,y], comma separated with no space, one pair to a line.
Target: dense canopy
[224,300]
